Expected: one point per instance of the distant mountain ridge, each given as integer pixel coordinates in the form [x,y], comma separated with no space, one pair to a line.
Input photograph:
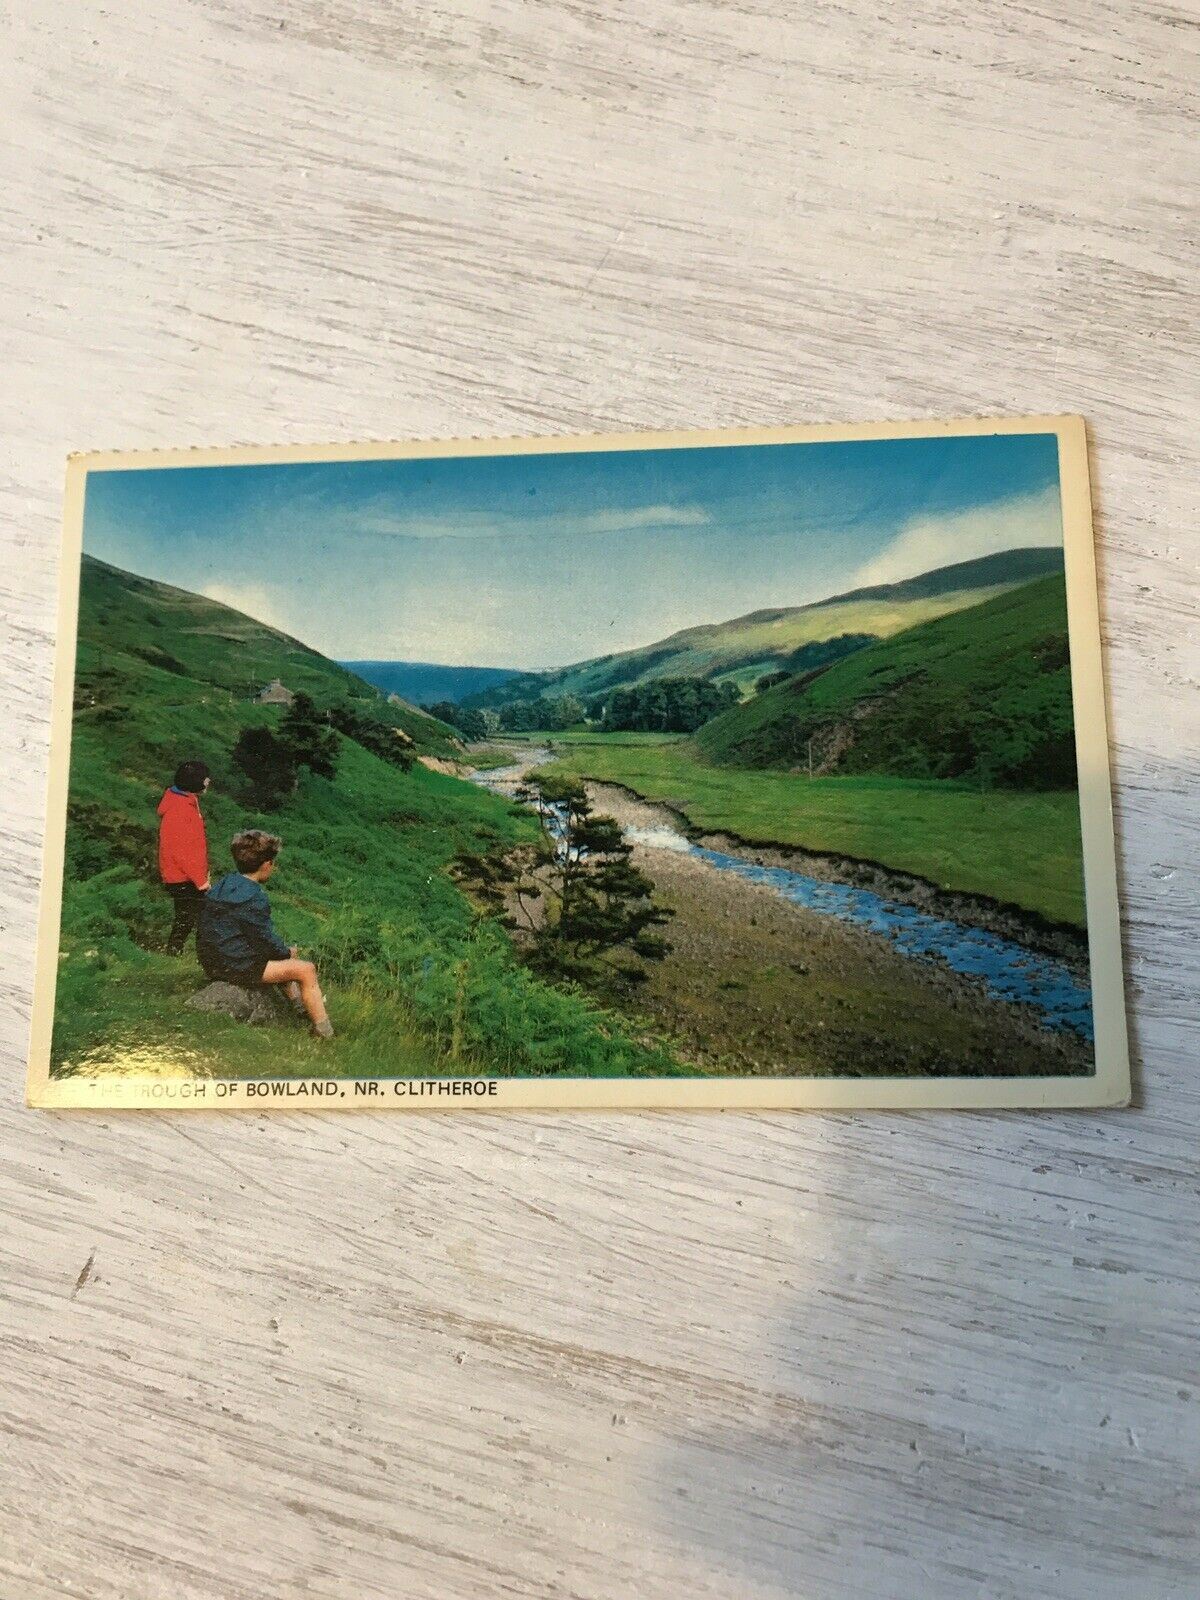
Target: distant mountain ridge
[427,682]
[743,648]
[1002,567]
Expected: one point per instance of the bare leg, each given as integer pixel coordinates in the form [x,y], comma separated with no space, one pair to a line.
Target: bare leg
[302,975]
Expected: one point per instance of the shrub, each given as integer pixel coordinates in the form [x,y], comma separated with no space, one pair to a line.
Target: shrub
[116,907]
[98,838]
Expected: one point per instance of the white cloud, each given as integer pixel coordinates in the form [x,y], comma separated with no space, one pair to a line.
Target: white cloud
[642,517]
[485,525]
[929,542]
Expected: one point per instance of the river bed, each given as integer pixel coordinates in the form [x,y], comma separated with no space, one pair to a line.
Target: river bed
[1008,971]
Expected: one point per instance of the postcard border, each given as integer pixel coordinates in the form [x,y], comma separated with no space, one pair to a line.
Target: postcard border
[1108,1086]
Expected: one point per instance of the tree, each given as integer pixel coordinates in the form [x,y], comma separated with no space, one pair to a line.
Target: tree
[807,658]
[268,764]
[517,716]
[576,904]
[390,744]
[272,761]
[547,713]
[566,709]
[471,723]
[769,680]
[502,885]
[444,711]
[467,720]
[307,735]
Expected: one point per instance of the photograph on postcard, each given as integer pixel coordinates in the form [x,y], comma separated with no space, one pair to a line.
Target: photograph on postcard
[577,761]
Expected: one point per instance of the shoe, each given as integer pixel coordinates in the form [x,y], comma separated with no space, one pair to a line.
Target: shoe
[323,1030]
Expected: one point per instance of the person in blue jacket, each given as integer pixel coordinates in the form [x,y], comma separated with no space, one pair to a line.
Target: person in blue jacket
[238,943]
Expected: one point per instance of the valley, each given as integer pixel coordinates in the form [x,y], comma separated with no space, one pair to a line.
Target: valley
[742,649]
[870,851]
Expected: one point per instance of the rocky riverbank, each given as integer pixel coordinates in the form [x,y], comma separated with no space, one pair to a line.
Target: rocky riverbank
[756,985]
[1060,940]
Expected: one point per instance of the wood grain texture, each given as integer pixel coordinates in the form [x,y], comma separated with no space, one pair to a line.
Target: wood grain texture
[593,1356]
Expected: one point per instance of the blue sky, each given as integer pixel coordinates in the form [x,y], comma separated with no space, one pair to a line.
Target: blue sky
[540,560]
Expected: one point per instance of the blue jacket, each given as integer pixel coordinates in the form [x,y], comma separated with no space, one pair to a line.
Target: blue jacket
[235,933]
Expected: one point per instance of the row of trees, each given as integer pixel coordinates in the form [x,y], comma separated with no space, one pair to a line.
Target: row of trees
[808,659]
[667,705]
[661,705]
[554,712]
[307,738]
[549,712]
[664,705]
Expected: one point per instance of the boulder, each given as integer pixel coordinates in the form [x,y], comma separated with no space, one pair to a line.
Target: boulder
[243,1005]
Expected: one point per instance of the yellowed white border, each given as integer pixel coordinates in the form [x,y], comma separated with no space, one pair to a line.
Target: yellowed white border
[1109,1086]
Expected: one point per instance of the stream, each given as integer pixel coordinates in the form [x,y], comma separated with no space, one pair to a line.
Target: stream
[1008,970]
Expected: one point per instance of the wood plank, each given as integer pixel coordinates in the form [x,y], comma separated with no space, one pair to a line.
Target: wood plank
[599,1356]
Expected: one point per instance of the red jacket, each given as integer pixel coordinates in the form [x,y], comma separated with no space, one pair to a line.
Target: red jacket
[182,846]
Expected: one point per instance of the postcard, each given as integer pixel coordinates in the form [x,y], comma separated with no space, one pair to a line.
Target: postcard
[747,769]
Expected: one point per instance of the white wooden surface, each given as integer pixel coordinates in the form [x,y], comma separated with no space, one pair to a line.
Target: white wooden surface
[606,1356]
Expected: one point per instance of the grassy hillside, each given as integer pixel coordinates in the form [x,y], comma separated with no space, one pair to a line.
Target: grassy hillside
[1021,849]
[127,622]
[416,986]
[983,694]
[744,648]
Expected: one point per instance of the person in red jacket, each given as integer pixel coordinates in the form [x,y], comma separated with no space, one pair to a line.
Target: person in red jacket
[183,849]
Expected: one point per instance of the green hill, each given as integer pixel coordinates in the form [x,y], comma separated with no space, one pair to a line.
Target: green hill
[983,694]
[416,985]
[744,648]
[156,634]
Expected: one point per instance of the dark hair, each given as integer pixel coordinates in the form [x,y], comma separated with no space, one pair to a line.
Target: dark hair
[252,847]
[190,775]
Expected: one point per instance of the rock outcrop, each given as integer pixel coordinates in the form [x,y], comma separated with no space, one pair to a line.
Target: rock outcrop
[255,1006]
